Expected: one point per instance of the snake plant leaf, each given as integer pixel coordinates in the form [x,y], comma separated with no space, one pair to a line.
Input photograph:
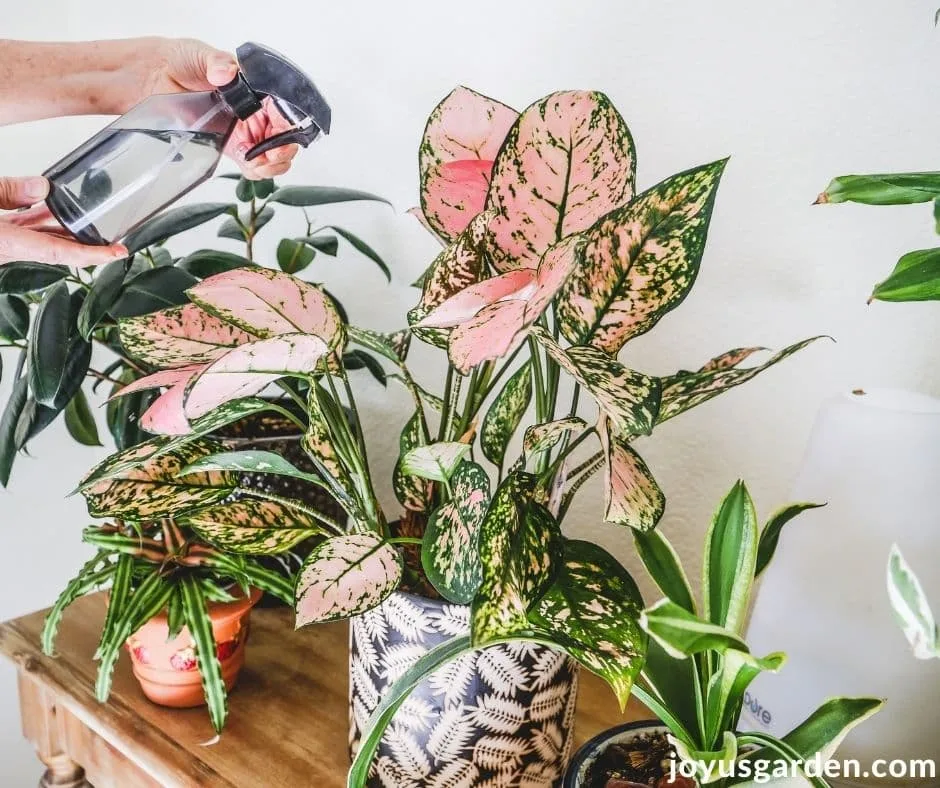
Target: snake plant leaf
[412,491]
[155,489]
[199,626]
[504,415]
[664,567]
[252,527]
[628,398]
[902,188]
[592,610]
[449,552]
[266,303]
[543,437]
[463,134]
[632,496]
[770,535]
[345,576]
[911,608]
[683,634]
[640,261]
[458,266]
[726,691]
[173,222]
[520,548]
[250,368]
[567,161]
[686,390]
[179,337]
[730,560]
[916,277]
[436,461]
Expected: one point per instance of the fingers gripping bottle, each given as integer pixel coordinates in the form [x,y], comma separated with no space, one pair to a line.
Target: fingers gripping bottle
[168,144]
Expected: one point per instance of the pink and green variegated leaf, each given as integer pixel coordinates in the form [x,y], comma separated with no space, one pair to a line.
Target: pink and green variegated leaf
[504,415]
[423,221]
[154,488]
[179,337]
[633,497]
[592,610]
[685,390]
[460,265]
[542,437]
[165,416]
[250,368]
[731,359]
[413,492]
[629,398]
[640,261]
[462,306]
[450,554]
[520,546]
[267,303]
[253,527]
[462,137]
[345,576]
[321,448]
[567,161]
[436,461]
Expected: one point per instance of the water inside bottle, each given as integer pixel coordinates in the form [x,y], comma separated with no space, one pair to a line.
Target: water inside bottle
[121,176]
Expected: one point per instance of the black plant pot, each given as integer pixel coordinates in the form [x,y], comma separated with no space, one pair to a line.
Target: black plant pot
[500,716]
[593,749]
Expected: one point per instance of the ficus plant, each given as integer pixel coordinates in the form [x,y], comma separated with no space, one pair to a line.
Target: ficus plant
[55,316]
[698,666]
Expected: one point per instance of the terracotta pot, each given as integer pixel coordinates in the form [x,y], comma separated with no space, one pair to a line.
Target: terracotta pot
[166,669]
[499,717]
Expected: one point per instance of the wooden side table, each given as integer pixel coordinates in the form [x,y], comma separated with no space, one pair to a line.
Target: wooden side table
[287,726]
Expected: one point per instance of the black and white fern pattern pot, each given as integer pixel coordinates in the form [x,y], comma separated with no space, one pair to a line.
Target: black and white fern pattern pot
[501,717]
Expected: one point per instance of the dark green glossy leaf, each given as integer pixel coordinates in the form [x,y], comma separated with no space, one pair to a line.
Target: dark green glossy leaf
[916,277]
[104,292]
[151,290]
[209,262]
[363,248]
[58,356]
[304,196]
[359,359]
[244,190]
[33,420]
[263,188]
[14,317]
[11,416]
[294,256]
[504,415]
[174,221]
[662,563]
[159,256]
[770,536]
[80,422]
[412,492]
[26,277]
[328,244]
[592,610]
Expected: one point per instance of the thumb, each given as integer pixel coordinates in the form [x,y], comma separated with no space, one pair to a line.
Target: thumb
[219,67]
[21,192]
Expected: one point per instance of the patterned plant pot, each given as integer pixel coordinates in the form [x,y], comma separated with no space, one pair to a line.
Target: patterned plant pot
[501,717]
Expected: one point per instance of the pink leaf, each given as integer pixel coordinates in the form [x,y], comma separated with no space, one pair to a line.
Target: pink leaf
[496,331]
[268,303]
[165,416]
[633,497]
[419,215]
[462,137]
[248,369]
[179,336]
[464,305]
[567,161]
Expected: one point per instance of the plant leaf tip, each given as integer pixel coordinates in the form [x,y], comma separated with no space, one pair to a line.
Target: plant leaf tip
[822,199]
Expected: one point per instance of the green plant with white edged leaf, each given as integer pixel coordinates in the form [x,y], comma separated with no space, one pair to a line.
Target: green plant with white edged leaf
[912,608]
[54,316]
[698,666]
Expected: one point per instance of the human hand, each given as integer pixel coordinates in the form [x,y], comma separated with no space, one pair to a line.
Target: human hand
[34,234]
[185,64]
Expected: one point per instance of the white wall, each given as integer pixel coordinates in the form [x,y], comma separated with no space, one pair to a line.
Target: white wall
[796,92]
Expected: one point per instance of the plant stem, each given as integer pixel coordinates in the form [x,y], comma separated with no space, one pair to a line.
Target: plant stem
[445,408]
[404,540]
[101,376]
[285,386]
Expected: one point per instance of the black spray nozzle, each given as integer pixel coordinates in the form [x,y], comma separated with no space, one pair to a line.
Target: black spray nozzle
[264,72]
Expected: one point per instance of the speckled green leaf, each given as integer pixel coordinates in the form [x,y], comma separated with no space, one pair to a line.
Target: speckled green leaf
[567,160]
[503,417]
[685,390]
[629,398]
[520,547]
[542,437]
[633,497]
[592,610]
[413,492]
[436,461]
[252,527]
[345,576]
[459,265]
[155,490]
[319,445]
[450,550]
[640,261]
